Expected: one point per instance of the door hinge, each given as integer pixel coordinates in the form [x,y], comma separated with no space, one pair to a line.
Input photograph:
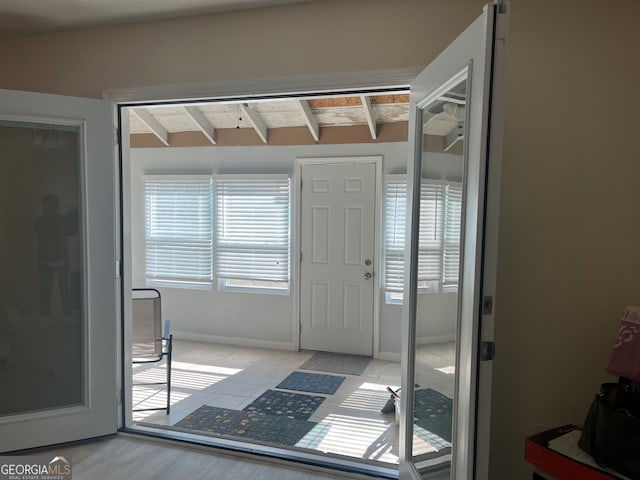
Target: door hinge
[487,351]
[501,22]
[116,136]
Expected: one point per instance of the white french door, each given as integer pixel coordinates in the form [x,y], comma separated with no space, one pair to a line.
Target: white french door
[337,223]
[456,110]
[58,316]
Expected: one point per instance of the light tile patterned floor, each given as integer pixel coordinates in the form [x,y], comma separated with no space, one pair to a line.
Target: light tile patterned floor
[349,422]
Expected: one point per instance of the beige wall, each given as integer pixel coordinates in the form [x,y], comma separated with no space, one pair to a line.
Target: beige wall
[569,238]
[323,37]
[569,252]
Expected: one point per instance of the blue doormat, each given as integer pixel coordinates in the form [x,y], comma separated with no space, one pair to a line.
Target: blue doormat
[279,430]
[337,363]
[433,412]
[285,404]
[312,382]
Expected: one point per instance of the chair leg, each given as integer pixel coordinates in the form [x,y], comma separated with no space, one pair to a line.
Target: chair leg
[170,350]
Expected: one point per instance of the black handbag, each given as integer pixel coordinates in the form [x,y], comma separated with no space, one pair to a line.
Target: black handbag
[611,432]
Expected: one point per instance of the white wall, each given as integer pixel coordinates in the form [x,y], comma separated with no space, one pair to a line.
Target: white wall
[262,319]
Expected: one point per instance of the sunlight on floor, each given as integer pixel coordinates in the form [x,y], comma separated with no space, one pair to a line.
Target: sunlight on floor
[196,367]
[369,396]
[179,378]
[359,437]
[450,370]
[425,441]
[154,397]
[187,379]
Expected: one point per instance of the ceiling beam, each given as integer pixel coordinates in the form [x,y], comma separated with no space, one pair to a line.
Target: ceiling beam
[202,123]
[255,119]
[454,136]
[370,116]
[310,119]
[152,124]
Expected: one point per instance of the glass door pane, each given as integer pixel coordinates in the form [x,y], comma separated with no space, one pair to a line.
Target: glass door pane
[41,303]
[441,195]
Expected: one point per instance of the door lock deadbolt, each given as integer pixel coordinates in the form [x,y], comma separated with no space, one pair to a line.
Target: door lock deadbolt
[367,262]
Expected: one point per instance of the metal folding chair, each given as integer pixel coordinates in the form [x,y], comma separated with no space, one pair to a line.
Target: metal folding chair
[149,344]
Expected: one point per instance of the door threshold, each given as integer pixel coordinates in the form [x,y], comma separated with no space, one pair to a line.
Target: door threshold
[318,462]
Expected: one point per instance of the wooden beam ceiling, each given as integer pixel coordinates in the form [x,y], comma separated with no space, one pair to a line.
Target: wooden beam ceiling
[202,123]
[152,124]
[310,119]
[369,115]
[317,116]
[254,118]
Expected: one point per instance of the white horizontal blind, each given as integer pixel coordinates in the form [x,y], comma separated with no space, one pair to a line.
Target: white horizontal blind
[439,235]
[252,227]
[178,230]
[452,232]
[395,201]
[430,234]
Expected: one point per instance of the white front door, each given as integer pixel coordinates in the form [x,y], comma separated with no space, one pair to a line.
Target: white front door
[57,257]
[337,247]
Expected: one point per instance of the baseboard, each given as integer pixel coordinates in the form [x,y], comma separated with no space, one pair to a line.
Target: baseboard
[240,341]
[437,339]
[389,356]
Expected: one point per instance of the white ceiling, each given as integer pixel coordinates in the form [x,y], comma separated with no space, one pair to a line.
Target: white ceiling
[25,17]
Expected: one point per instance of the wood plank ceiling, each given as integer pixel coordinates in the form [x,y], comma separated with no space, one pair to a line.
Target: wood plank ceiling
[371,118]
[269,122]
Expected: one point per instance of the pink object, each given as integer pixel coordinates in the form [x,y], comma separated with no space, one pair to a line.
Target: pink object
[625,358]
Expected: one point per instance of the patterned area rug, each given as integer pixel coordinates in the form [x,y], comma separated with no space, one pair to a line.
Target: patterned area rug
[280,430]
[433,412]
[312,382]
[337,363]
[285,404]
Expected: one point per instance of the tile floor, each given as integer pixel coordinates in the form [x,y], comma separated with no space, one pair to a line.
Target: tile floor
[228,376]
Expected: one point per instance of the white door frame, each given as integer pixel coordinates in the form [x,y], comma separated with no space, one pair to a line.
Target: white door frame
[295,272]
[296,85]
[381,80]
[325,84]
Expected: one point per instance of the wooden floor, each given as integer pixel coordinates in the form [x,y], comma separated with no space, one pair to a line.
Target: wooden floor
[120,457]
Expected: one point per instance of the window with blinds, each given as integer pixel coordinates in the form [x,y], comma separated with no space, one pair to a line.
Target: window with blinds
[252,231]
[178,231]
[452,233]
[395,200]
[439,235]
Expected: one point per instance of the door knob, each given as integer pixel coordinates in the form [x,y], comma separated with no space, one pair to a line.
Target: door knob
[367,276]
